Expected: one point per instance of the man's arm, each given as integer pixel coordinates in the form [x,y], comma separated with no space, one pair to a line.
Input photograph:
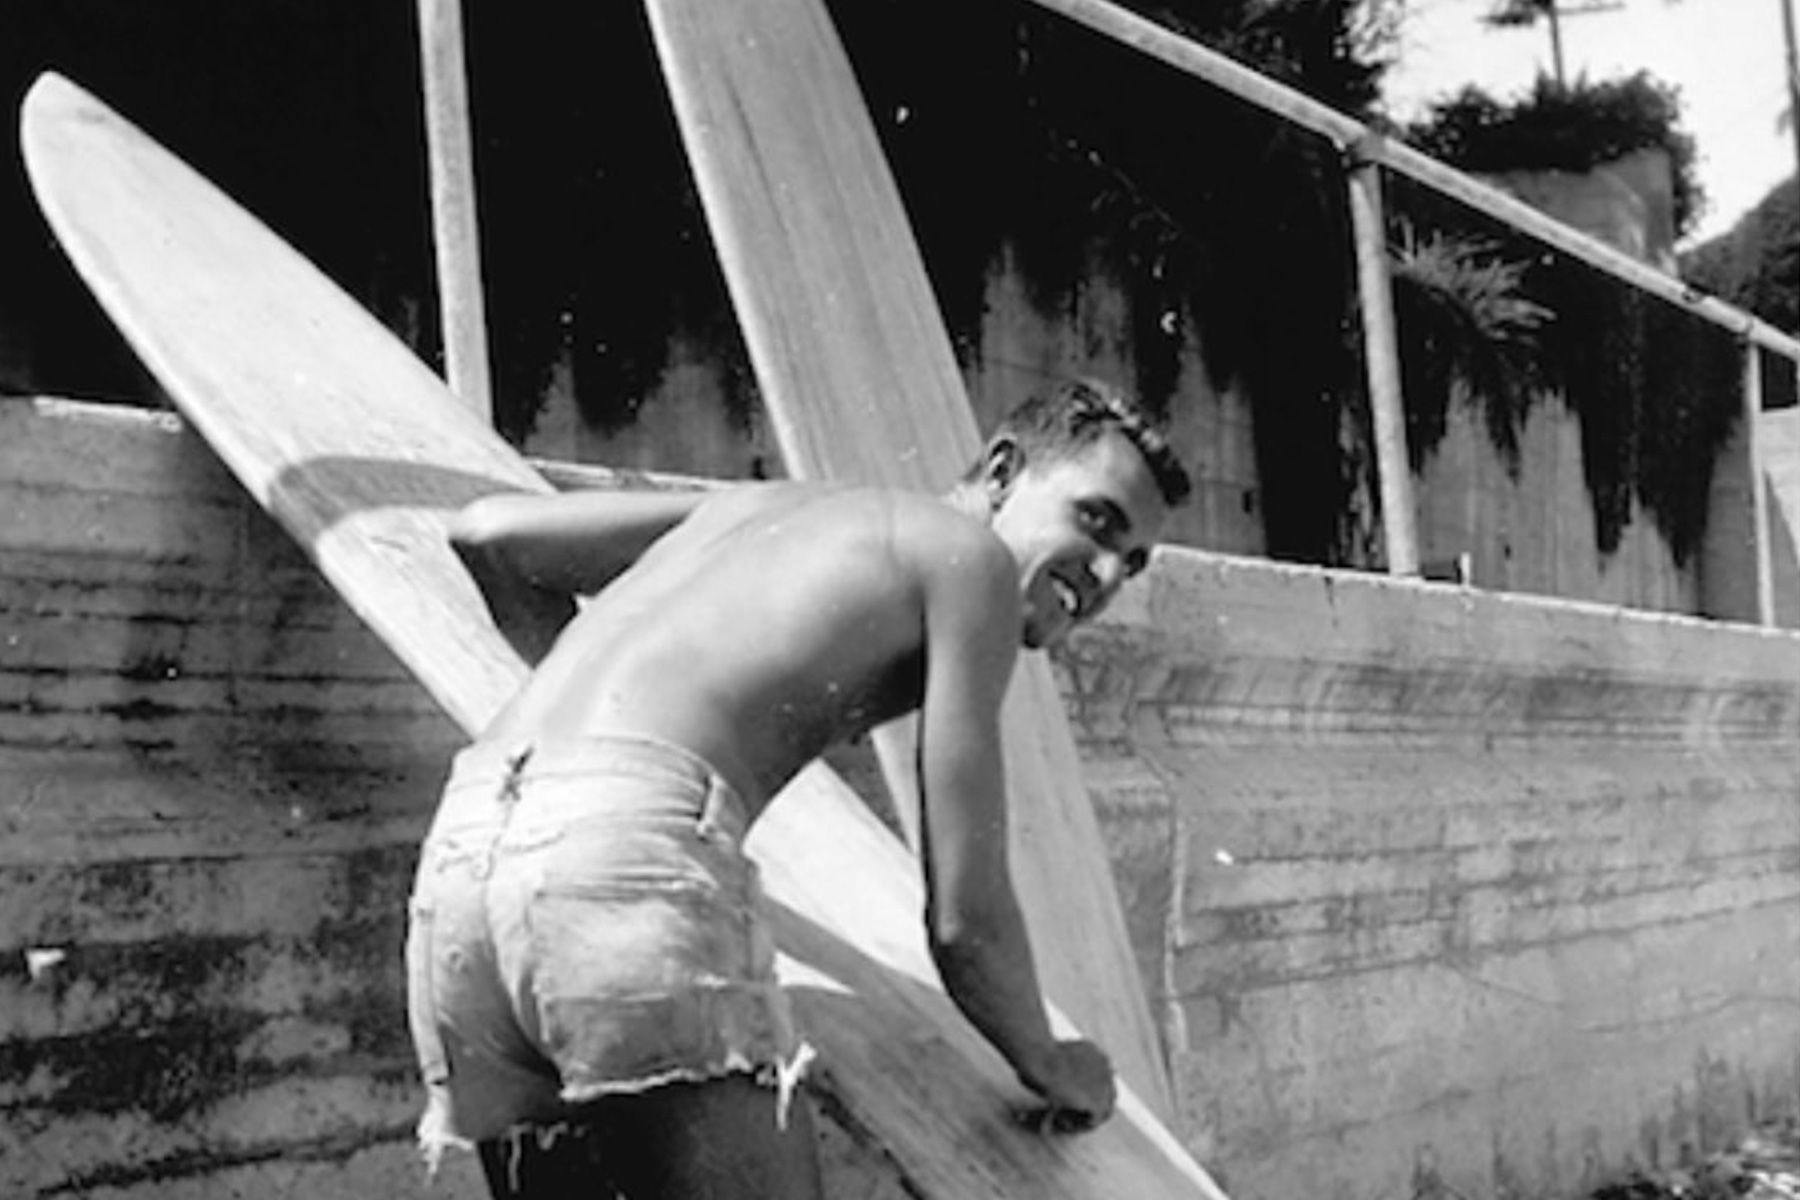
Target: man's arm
[977,932]
[532,555]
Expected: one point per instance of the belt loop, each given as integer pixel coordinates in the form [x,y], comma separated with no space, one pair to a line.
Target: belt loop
[721,813]
[708,824]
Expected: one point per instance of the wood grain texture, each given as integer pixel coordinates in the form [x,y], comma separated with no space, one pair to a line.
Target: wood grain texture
[861,384]
[897,1058]
[361,453]
[326,418]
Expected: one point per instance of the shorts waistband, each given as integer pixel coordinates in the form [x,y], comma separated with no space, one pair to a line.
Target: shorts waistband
[542,758]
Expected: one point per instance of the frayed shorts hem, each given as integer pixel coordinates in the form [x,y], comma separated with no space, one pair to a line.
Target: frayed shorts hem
[436,1136]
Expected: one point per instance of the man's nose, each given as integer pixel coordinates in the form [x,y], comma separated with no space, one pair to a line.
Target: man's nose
[1109,571]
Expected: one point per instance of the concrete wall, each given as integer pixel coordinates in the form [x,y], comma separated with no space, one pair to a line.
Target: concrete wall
[1727,563]
[1534,532]
[1628,203]
[1530,532]
[212,781]
[1430,885]
[684,424]
[1448,893]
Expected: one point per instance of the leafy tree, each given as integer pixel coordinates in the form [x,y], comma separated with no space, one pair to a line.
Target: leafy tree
[1756,265]
[1654,388]
[1560,128]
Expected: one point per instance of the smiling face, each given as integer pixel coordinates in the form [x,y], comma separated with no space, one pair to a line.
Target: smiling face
[1079,525]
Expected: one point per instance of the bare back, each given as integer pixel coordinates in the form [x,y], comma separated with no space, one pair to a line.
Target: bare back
[770,623]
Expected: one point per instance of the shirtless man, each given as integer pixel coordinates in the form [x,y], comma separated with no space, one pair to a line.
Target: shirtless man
[592,993]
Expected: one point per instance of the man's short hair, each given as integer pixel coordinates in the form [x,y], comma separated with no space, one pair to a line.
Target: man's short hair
[1065,421]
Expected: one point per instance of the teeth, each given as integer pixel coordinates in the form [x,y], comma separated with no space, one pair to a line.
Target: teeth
[1065,595]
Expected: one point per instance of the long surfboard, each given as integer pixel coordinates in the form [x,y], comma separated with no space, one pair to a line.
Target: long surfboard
[362,454]
[857,371]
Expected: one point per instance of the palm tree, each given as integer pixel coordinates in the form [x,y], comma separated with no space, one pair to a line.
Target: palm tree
[1527,12]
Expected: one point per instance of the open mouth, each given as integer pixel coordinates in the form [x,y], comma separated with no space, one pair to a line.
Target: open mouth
[1067,596]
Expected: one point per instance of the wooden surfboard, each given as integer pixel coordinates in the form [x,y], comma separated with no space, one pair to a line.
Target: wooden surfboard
[854,364]
[361,453]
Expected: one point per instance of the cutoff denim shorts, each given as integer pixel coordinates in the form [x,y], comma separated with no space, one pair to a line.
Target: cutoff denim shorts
[585,924]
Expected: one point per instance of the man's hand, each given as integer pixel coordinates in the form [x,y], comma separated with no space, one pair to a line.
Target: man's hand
[1077,1081]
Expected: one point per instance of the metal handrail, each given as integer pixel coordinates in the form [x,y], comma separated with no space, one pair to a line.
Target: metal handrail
[1365,151]
[1366,144]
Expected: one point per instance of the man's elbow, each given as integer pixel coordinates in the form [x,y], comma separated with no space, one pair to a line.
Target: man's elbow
[478,528]
[960,963]
[483,537]
[960,936]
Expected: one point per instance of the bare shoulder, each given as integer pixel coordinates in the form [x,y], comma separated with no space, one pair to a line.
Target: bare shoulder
[955,556]
[748,500]
[927,542]
[845,506]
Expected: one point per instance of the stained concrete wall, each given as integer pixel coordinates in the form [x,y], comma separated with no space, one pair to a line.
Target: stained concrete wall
[212,780]
[1431,886]
[685,424]
[1628,203]
[1530,531]
[1447,893]
[1533,530]
[1727,565]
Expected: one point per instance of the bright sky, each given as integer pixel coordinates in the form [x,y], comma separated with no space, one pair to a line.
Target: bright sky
[1727,58]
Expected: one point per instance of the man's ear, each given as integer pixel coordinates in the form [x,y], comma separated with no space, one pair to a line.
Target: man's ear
[1000,466]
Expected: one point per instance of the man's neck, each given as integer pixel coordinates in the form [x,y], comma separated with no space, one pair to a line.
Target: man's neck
[970,499]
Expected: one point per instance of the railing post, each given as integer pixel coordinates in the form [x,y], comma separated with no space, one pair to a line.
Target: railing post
[1190,57]
[461,315]
[1381,358]
[1759,496]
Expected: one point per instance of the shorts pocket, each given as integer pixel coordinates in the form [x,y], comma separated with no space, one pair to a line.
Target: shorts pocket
[643,936]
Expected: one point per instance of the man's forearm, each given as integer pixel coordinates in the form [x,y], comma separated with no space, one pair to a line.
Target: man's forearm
[989,972]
